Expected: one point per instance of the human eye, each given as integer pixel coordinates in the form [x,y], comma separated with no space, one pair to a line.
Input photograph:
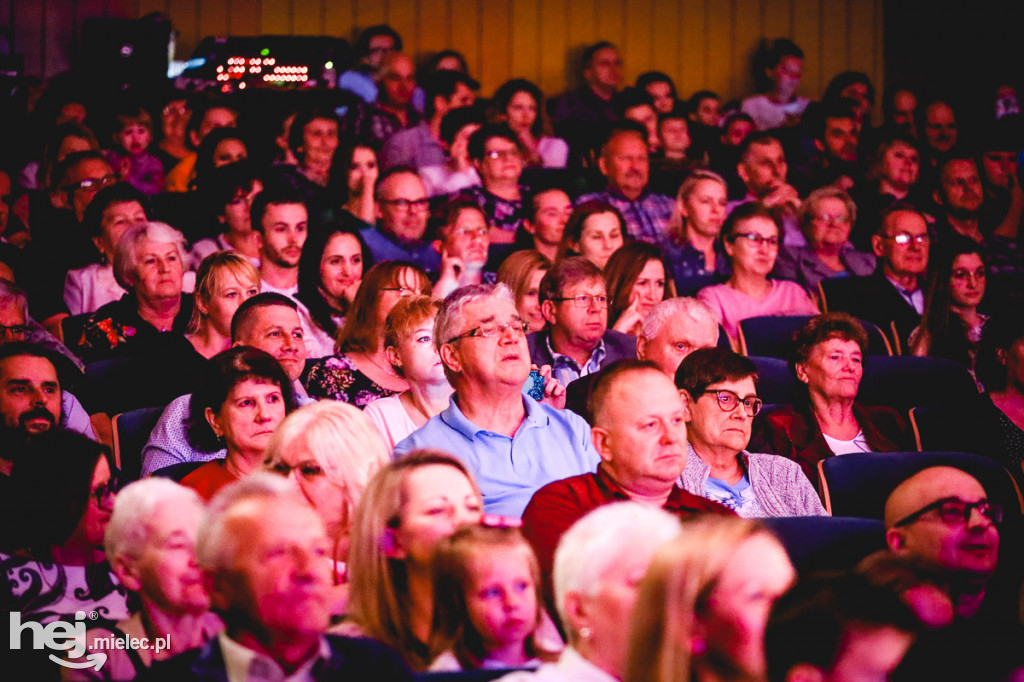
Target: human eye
[297,334]
[311,470]
[230,294]
[50,389]
[425,338]
[246,402]
[274,398]
[648,425]
[273,333]
[491,592]
[681,346]
[280,468]
[523,586]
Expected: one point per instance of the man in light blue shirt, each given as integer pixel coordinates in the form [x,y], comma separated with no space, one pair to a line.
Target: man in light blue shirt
[512,443]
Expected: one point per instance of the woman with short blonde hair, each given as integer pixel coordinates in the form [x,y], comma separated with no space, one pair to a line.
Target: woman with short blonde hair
[224,280]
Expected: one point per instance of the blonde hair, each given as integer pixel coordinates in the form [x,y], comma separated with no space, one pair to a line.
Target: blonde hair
[378,595]
[342,440]
[405,317]
[210,276]
[674,598]
[677,223]
[515,270]
[452,629]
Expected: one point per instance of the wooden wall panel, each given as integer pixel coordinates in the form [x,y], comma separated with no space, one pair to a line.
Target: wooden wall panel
[700,43]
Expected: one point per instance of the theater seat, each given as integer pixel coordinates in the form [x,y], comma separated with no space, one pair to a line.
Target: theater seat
[776,383]
[131,432]
[858,484]
[821,543]
[772,336]
[903,382]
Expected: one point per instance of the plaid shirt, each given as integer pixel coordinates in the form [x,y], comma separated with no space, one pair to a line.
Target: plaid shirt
[646,217]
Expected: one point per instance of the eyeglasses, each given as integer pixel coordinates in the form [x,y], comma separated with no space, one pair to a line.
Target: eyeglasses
[967,274]
[729,401]
[755,238]
[15,331]
[104,492]
[904,238]
[586,300]
[956,512]
[407,204]
[479,232]
[92,184]
[493,329]
[833,219]
[502,154]
[402,291]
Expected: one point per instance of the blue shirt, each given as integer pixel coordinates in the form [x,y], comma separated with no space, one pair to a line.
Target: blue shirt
[646,217]
[548,446]
[385,247]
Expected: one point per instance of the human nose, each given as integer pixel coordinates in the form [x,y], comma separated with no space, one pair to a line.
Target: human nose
[262,412]
[464,516]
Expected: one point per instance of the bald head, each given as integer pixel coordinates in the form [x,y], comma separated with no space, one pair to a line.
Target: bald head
[927,486]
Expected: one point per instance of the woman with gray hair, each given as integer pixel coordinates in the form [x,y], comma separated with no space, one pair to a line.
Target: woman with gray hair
[149,264]
[598,567]
[150,543]
[826,217]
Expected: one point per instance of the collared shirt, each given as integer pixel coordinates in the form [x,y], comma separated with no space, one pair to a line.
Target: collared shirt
[500,213]
[566,370]
[646,216]
[414,147]
[384,246]
[914,298]
[242,664]
[549,445]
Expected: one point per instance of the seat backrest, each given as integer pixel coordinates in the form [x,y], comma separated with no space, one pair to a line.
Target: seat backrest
[903,382]
[131,432]
[71,329]
[858,484]
[772,336]
[776,383]
[821,543]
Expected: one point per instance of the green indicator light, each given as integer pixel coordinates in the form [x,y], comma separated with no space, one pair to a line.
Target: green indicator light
[265,52]
[329,65]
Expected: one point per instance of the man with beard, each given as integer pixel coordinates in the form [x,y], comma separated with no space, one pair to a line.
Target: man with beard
[462,242]
[280,216]
[836,143]
[30,396]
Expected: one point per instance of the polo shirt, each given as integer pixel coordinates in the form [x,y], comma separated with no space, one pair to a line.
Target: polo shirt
[384,247]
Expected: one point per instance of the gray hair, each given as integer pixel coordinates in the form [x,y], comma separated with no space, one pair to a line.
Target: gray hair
[810,205]
[11,294]
[216,544]
[126,261]
[131,528]
[597,543]
[450,319]
[697,311]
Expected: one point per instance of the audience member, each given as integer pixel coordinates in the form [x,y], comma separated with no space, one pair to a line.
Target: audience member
[360,168]
[400,232]
[281,217]
[457,171]
[522,272]
[764,171]
[497,155]
[783,65]
[595,230]
[373,44]
[207,116]
[520,104]
[695,251]
[392,110]
[891,177]
[227,194]
[921,583]
[224,281]
[661,89]
[633,104]
[636,280]
[547,213]
[463,240]
[579,116]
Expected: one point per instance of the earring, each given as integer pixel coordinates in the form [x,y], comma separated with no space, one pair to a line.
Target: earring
[585,632]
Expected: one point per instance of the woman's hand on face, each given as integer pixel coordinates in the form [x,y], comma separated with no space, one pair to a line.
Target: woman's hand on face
[349,292]
[451,270]
[631,318]
[554,391]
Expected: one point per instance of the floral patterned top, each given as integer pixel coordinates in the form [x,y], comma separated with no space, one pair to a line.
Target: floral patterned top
[44,591]
[117,330]
[336,377]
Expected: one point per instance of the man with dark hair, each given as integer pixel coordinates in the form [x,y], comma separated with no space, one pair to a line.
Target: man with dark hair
[783,65]
[836,139]
[634,104]
[462,241]
[207,115]
[402,212]
[371,46]
[547,212]
[497,155]
[764,172]
[580,115]
[393,109]
[837,628]
[577,342]
[661,89]
[280,215]
[420,145]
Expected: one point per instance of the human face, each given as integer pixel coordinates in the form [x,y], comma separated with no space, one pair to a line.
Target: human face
[675,135]
[961,188]
[407,223]
[462,97]
[363,171]
[641,433]
[93,524]
[280,577]
[940,128]
[709,112]
[158,270]
[501,596]
[904,103]
[661,93]
[869,655]
[248,417]
[174,118]
[229,151]
[529,303]
[11,315]
[230,293]
[736,132]
[646,116]
[764,168]
[134,138]
[379,46]
[704,208]
[460,142]
[713,429]
[521,111]
[600,238]
[304,472]
[29,393]
[678,337]
[604,73]
[502,360]
[406,281]
[967,280]
[1000,167]
[552,213]
[437,500]
[910,259]
[166,573]
[840,139]
[341,267]
[398,81]
[277,330]
[756,575]
[467,239]
[502,162]
[626,164]
[830,223]
[417,356]
[833,370]
[284,233]
[786,76]
[97,170]
[116,220]
[320,140]
[748,256]
[71,144]
[582,327]
[236,215]
[900,165]
[649,287]
[217,117]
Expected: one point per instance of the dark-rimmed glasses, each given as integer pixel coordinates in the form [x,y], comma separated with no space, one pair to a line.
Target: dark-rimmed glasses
[955,512]
[755,238]
[15,331]
[729,401]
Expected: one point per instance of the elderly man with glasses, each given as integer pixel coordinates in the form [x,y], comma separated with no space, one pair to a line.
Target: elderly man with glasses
[719,388]
[512,443]
[402,212]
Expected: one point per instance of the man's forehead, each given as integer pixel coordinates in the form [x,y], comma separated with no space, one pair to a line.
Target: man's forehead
[276,316]
[937,483]
[583,286]
[906,221]
[92,168]
[960,168]
[31,367]
[10,312]
[403,186]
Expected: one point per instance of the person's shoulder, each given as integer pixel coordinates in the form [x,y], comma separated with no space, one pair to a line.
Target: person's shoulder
[362,656]
[620,340]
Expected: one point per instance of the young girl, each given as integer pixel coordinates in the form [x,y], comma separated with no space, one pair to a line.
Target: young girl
[131,157]
[487,603]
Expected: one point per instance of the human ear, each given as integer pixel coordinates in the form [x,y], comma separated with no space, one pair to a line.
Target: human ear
[213,420]
[126,572]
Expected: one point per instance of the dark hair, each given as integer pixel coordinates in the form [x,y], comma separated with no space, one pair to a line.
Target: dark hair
[564,273]
[478,141]
[623,127]
[706,366]
[839,108]
[220,186]
[1000,334]
[845,80]
[50,485]
[943,333]
[431,65]
[343,162]
[60,173]
[813,620]
[622,270]
[628,98]
[530,200]
[443,84]
[760,137]
[47,175]
[678,112]
[120,193]
[824,327]
[573,231]
[309,268]
[204,155]
[698,97]
[243,316]
[200,106]
[304,118]
[457,119]
[648,77]
[503,97]
[362,46]
[362,331]
[273,195]
[889,138]
[223,372]
[607,379]
[453,208]
[743,213]
[769,55]
[588,52]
